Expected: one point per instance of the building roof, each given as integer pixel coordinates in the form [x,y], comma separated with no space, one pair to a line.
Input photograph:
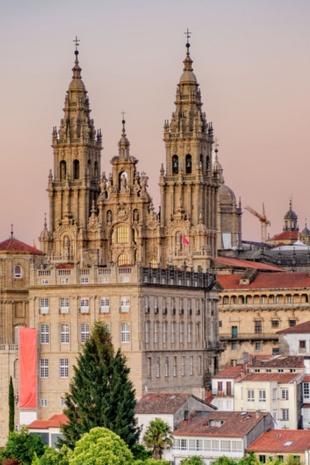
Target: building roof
[302,328]
[230,372]
[236,424]
[274,281]
[269,377]
[13,245]
[244,264]
[284,236]
[164,403]
[280,361]
[54,422]
[282,441]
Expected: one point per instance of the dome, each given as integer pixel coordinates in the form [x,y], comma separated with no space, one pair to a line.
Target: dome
[77,85]
[226,195]
[188,77]
[291,215]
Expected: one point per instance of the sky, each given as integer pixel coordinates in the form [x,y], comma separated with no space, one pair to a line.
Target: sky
[251,59]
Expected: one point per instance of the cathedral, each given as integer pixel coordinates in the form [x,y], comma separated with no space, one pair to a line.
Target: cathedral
[107,255]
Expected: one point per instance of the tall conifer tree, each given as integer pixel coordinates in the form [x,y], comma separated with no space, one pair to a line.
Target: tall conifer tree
[11,407]
[101,393]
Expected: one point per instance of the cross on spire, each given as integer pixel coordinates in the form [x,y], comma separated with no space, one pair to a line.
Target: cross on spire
[188,35]
[216,145]
[77,43]
[123,113]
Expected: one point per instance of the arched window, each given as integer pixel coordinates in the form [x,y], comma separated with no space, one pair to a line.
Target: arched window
[123,259]
[63,170]
[188,164]
[122,235]
[175,164]
[96,169]
[17,272]
[66,247]
[178,240]
[76,169]
[207,162]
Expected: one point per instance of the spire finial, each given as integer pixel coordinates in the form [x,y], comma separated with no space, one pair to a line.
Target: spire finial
[12,231]
[123,122]
[77,43]
[216,148]
[188,35]
[45,221]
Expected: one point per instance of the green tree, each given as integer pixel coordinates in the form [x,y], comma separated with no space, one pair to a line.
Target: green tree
[195,460]
[23,446]
[11,406]
[158,437]
[101,393]
[249,459]
[224,461]
[101,446]
[53,456]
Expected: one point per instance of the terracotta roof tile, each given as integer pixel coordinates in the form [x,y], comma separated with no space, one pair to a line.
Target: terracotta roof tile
[54,422]
[279,377]
[275,440]
[13,245]
[285,236]
[301,328]
[236,424]
[230,372]
[64,266]
[280,361]
[276,281]
[161,402]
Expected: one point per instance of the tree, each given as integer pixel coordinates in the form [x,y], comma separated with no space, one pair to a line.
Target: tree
[101,446]
[158,437]
[11,406]
[101,393]
[195,460]
[23,446]
[224,461]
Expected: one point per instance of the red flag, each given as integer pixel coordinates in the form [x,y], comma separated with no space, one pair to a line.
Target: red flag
[185,240]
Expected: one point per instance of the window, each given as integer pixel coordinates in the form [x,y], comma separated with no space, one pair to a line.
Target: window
[164,332]
[155,304]
[189,332]
[274,394]
[17,272]
[183,444]
[62,402]
[274,323]
[191,365]
[285,414]
[44,368]
[276,299]
[172,305]
[236,446]
[43,403]
[84,332]
[284,394]
[104,305]
[306,390]
[44,308]
[64,305]
[156,324]
[220,324]
[175,366]
[125,304]
[64,334]
[234,331]
[157,367]
[183,366]
[233,346]
[147,332]
[173,332]
[125,332]
[250,394]
[292,322]
[197,307]
[258,346]
[188,164]
[225,300]
[166,366]
[262,395]
[289,299]
[225,445]
[175,164]
[149,367]
[164,305]
[84,280]
[64,368]
[262,458]
[181,333]
[44,334]
[258,327]
[84,305]
[302,346]
[122,235]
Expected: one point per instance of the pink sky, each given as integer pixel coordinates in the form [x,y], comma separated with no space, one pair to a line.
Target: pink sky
[251,59]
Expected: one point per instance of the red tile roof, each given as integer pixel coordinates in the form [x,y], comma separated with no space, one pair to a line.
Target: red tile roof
[54,422]
[285,236]
[13,245]
[64,266]
[245,264]
[262,377]
[165,403]
[301,329]
[274,441]
[306,379]
[235,424]
[280,361]
[274,281]
[230,372]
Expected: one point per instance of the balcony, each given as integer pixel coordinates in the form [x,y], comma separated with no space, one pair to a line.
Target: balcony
[229,337]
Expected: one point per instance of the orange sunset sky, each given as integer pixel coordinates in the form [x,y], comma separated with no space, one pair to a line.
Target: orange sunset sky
[251,59]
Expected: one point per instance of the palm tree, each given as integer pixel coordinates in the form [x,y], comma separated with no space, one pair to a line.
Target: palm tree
[158,437]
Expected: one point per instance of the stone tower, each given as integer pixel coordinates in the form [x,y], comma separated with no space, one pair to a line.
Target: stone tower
[74,186]
[189,186]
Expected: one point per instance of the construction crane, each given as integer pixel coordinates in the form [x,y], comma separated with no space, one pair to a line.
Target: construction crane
[263,221]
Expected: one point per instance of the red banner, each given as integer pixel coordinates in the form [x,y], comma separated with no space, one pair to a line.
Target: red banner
[28,368]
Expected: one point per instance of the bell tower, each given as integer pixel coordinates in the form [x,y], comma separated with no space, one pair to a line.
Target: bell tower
[188,186]
[74,185]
